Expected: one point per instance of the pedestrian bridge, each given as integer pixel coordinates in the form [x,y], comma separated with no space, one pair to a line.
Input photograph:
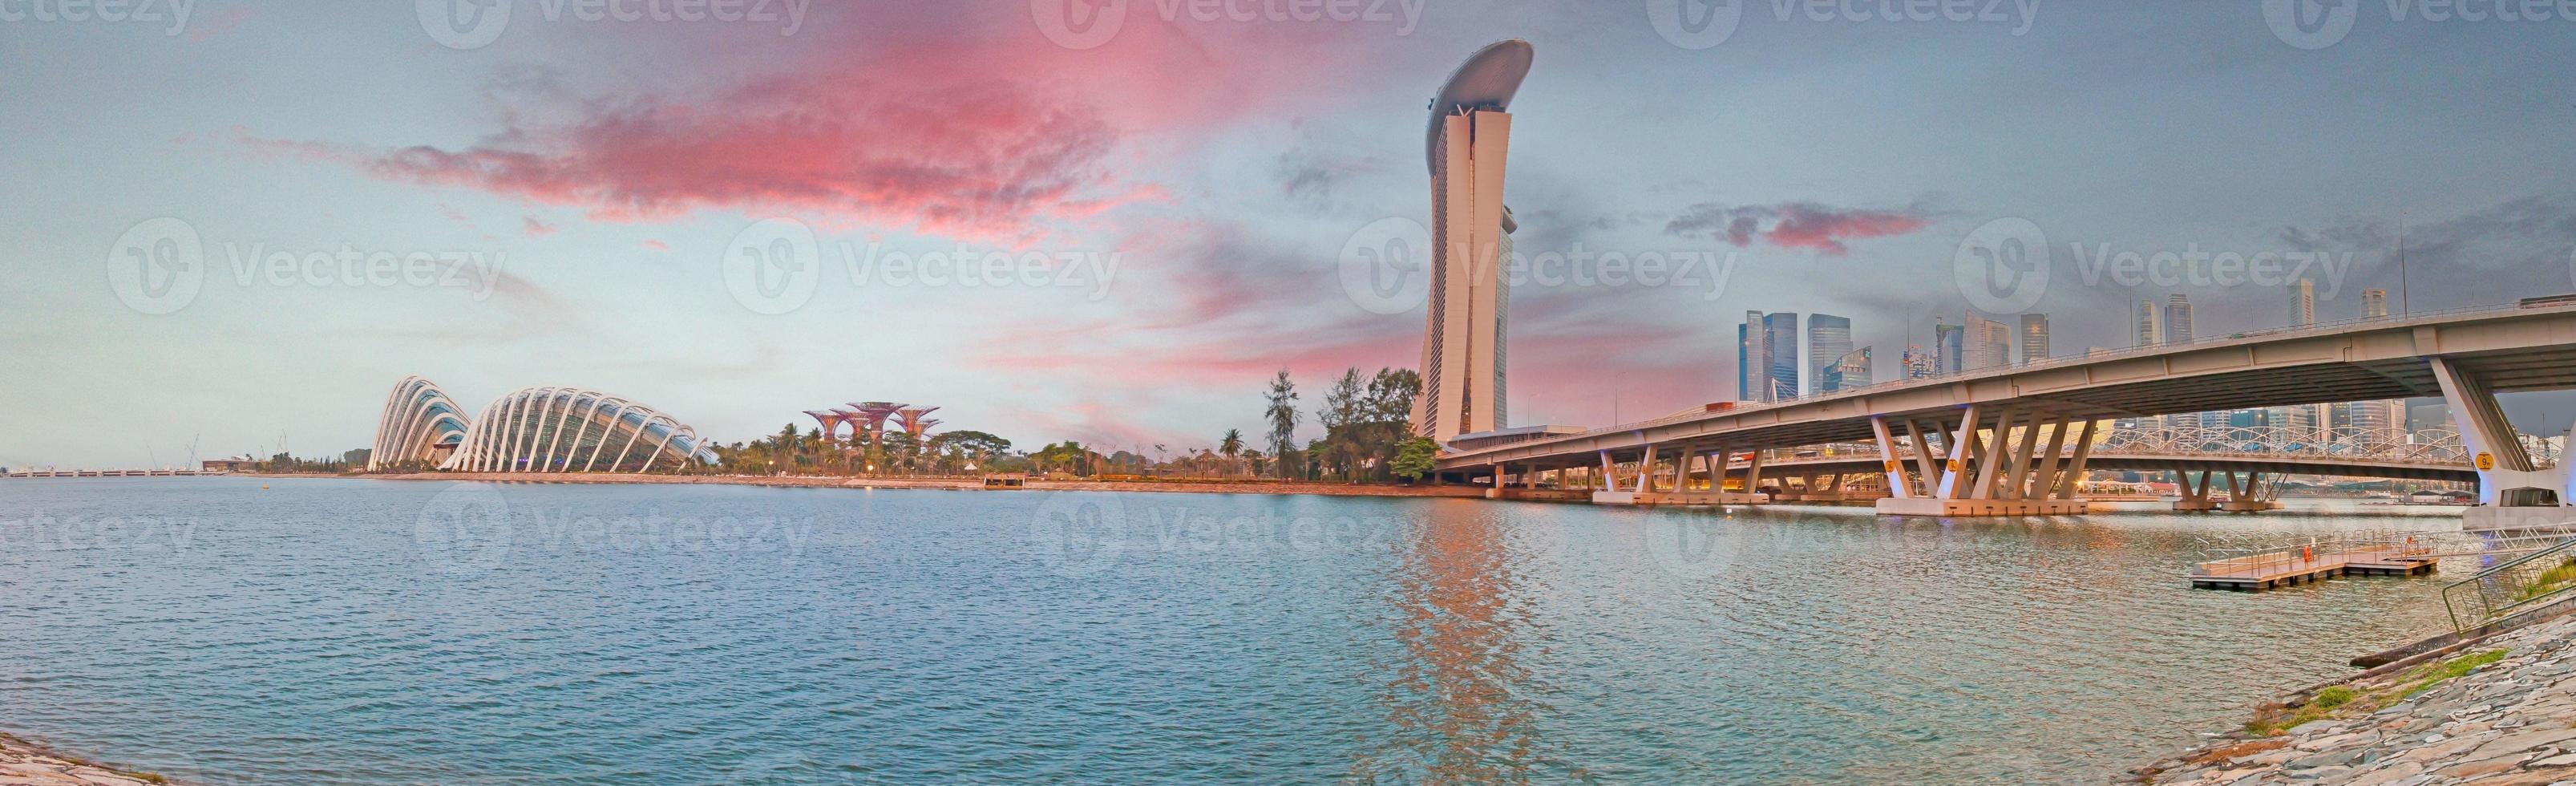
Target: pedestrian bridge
[2015,439]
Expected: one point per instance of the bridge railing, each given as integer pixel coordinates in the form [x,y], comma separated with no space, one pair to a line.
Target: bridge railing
[2523,584]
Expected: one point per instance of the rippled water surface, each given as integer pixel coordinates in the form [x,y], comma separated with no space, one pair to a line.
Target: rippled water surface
[375,631]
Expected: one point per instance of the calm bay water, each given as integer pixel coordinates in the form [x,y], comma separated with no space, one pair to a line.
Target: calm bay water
[390,631]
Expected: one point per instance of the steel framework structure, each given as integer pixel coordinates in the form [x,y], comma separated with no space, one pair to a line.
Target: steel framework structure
[537,429]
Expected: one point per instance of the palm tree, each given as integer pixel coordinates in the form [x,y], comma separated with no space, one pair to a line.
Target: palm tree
[1231,446]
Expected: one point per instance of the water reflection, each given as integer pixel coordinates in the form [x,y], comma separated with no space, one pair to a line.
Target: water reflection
[1458,704]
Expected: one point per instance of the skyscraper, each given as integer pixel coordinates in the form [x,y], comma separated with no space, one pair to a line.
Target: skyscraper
[1463,387]
[1989,343]
[1828,340]
[2034,337]
[2178,319]
[2374,303]
[1766,356]
[2150,329]
[1849,371]
[1949,349]
[2303,303]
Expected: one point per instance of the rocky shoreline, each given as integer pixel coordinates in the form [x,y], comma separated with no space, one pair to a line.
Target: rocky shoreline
[2501,711]
[23,762]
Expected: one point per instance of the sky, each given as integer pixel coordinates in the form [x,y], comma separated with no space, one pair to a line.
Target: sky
[233,226]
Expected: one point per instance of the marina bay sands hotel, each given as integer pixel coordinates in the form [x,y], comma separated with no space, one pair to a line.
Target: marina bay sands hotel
[1463,352]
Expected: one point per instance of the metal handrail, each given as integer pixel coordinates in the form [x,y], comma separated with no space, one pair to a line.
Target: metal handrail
[2490,585]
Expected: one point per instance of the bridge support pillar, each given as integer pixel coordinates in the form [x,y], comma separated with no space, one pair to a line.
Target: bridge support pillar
[2247,492]
[2010,477]
[2514,491]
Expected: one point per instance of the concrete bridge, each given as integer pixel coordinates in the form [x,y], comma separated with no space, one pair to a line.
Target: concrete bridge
[2016,439]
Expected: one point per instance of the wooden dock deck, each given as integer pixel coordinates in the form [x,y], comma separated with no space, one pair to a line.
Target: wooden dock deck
[2286,567]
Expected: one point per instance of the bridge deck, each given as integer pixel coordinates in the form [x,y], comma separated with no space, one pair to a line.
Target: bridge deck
[2300,566]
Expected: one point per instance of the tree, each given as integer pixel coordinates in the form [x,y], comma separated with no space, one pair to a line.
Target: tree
[1415,458]
[975,446]
[1231,446]
[1283,415]
[1257,460]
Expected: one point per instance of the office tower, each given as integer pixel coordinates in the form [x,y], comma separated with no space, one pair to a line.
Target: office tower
[1949,349]
[1849,371]
[2177,319]
[2303,303]
[1989,343]
[2150,330]
[2034,337]
[2374,303]
[1463,336]
[1766,356]
[2374,421]
[1828,340]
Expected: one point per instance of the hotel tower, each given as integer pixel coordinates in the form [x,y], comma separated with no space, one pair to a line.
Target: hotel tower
[1464,335]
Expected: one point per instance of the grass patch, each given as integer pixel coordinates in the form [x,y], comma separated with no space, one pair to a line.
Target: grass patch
[2335,701]
[2551,580]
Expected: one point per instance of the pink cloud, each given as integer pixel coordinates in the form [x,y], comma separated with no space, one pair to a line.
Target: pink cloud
[1805,225]
[532,227]
[653,244]
[929,120]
